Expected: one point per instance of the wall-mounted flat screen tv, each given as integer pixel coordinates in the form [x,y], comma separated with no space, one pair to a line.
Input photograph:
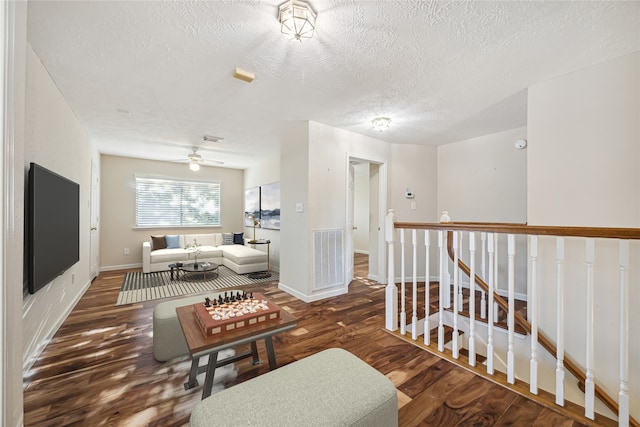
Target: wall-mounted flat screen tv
[53,226]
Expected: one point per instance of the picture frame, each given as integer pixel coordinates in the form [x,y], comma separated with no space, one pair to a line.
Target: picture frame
[270,206]
[251,205]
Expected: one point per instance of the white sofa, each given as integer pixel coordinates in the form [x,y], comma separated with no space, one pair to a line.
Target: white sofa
[239,258]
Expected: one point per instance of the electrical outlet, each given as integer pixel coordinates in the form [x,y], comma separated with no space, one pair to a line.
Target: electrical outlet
[126,251]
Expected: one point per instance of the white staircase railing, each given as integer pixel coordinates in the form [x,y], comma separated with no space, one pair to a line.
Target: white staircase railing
[558,277]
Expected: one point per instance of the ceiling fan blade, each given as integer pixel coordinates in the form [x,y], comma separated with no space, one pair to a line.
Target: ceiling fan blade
[213,162]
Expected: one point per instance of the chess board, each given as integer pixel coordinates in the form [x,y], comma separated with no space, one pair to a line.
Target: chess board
[228,315]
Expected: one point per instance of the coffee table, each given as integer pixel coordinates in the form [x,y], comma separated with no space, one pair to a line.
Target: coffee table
[203,268]
[201,345]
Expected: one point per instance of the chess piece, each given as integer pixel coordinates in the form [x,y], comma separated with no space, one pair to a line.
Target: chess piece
[220,299]
[207,302]
[215,302]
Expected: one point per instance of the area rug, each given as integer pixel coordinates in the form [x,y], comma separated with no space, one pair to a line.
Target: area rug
[139,287]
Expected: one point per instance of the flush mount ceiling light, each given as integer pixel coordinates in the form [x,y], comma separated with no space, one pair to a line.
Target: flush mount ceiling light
[381,123]
[297,19]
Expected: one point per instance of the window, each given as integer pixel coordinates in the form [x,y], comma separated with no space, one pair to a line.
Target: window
[164,202]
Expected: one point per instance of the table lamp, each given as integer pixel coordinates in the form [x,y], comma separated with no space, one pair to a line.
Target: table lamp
[253,218]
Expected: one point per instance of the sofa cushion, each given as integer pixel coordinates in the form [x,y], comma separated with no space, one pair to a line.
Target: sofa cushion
[172,255]
[173,241]
[227,238]
[158,242]
[168,255]
[243,255]
[209,239]
[237,238]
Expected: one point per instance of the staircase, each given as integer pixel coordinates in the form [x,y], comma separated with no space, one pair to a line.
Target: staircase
[459,332]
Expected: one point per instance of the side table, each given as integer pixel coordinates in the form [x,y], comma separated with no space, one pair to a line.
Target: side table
[261,274]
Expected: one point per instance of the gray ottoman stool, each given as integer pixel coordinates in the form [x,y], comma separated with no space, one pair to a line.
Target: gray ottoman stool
[168,339]
[330,388]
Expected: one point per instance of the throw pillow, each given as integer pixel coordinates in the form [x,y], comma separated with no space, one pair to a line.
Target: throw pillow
[158,242]
[237,238]
[173,241]
[227,238]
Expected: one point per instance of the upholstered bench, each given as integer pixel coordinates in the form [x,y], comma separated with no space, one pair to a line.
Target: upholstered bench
[330,388]
[168,338]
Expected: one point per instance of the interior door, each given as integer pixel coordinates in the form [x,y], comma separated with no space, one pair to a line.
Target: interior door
[350,225]
[94,252]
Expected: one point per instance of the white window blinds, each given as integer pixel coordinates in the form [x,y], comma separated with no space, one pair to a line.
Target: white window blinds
[175,203]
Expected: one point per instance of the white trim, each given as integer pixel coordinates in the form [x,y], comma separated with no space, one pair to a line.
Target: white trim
[120,267]
[360,251]
[316,296]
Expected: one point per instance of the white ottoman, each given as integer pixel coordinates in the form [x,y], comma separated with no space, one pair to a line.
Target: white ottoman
[330,388]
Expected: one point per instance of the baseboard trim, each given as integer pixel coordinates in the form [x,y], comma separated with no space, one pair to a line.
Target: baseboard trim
[314,297]
[120,267]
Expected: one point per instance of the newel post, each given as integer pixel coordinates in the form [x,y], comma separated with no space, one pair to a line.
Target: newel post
[391,290]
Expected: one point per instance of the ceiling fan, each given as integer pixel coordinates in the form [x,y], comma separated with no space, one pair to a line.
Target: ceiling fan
[195,160]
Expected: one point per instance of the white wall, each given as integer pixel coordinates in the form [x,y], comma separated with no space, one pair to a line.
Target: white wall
[414,167]
[55,139]
[584,170]
[266,172]
[294,226]
[484,179]
[118,206]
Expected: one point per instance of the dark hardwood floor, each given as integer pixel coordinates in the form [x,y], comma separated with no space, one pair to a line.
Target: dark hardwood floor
[99,368]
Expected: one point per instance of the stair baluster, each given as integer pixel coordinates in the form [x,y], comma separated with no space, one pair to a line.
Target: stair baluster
[472,300]
[427,289]
[511,254]
[532,310]
[560,322]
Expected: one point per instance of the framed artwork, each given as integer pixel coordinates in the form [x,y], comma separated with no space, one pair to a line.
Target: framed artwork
[251,205]
[270,206]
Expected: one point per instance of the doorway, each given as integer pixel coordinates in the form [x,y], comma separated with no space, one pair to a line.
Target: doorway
[365,218]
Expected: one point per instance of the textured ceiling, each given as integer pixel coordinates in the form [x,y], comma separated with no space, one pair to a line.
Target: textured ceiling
[149,79]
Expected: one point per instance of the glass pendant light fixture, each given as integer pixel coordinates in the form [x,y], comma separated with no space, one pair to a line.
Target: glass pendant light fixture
[297,19]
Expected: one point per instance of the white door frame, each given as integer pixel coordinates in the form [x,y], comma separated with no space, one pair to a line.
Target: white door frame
[382,210]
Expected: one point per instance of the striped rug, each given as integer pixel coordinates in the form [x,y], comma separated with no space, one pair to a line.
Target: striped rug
[138,286]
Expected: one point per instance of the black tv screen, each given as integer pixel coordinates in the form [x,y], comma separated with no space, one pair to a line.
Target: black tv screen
[53,226]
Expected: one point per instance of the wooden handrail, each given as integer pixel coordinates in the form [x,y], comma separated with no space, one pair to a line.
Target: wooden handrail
[539,230]
[546,343]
